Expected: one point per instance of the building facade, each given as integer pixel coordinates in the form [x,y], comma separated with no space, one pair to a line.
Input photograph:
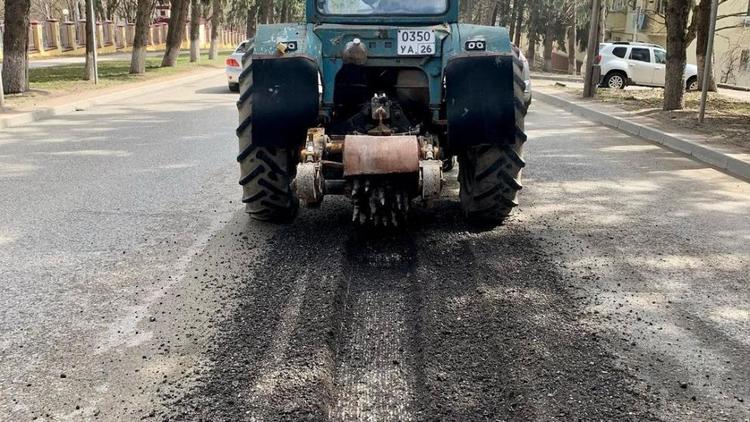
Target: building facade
[643,20]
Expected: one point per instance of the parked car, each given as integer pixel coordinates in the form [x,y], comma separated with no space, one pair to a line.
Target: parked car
[526,79]
[631,63]
[234,64]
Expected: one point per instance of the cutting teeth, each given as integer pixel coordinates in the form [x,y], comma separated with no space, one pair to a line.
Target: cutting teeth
[377,204]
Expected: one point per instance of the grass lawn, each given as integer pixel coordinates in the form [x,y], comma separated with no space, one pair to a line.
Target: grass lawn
[653,98]
[727,118]
[69,77]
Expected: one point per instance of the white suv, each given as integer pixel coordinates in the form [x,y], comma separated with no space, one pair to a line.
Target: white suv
[626,63]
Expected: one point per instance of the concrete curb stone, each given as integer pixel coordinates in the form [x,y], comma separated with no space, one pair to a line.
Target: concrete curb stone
[701,153]
[49,112]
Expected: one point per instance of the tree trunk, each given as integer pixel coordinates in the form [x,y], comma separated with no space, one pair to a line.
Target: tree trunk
[548,44]
[265,12]
[493,17]
[677,22]
[216,21]
[503,7]
[284,14]
[15,46]
[176,32]
[533,35]
[702,28]
[88,68]
[572,62]
[519,22]
[142,18]
[514,20]
[195,31]
[252,21]
[531,52]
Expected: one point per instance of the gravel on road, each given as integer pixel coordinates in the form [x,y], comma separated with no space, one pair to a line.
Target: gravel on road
[137,289]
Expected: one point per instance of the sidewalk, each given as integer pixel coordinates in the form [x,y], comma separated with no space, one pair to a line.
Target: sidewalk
[50,107]
[737,92]
[723,155]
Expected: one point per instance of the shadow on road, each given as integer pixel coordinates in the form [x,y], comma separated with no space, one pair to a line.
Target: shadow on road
[437,322]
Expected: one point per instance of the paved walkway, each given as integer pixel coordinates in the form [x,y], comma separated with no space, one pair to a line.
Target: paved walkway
[61,61]
[576,82]
[717,151]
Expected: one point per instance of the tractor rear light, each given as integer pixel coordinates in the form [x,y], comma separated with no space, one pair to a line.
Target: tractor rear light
[478,45]
[232,62]
[598,59]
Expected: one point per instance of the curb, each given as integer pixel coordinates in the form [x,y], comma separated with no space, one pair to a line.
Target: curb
[734,87]
[703,154]
[560,78]
[46,113]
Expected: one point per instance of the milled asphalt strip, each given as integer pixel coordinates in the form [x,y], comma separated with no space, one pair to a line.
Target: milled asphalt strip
[49,112]
[703,154]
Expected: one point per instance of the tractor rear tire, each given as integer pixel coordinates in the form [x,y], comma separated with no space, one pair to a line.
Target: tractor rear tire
[267,173]
[490,175]
[267,185]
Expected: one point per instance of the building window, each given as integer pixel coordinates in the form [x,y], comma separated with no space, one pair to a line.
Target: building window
[661,7]
[618,6]
[745,60]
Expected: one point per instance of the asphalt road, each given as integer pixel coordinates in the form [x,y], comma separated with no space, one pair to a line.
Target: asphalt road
[134,287]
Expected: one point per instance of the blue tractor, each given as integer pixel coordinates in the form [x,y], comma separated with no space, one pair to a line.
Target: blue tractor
[373,99]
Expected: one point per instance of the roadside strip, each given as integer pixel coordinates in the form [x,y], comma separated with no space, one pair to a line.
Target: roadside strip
[20,119]
[732,165]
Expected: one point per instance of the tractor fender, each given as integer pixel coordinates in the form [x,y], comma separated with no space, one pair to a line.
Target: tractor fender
[480,100]
[283,100]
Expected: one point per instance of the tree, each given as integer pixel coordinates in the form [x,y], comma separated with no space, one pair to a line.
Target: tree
[699,28]
[519,21]
[176,32]
[533,32]
[265,11]
[195,22]
[128,10]
[572,49]
[142,20]
[15,45]
[88,68]
[252,21]
[677,42]
[217,14]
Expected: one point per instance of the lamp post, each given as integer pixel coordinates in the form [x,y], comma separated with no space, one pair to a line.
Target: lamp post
[92,25]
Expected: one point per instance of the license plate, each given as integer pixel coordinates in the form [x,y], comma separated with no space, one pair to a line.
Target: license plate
[416,42]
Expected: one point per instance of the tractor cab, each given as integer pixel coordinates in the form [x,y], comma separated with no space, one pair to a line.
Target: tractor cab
[378,12]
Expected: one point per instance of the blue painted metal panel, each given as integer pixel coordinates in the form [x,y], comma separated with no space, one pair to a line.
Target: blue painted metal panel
[313,15]
[324,39]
